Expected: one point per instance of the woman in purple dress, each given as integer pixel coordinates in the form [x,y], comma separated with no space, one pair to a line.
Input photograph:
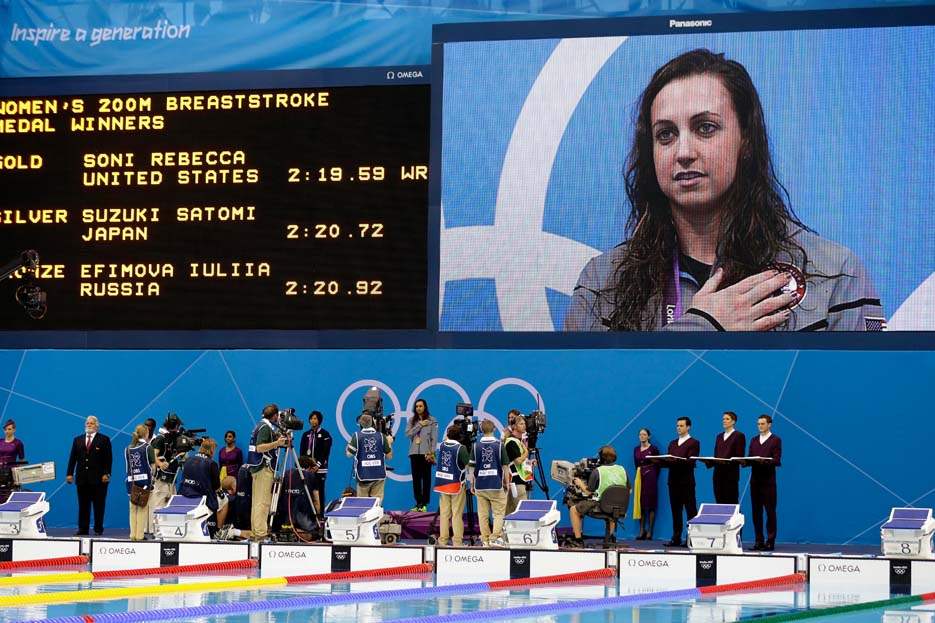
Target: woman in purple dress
[11,448]
[230,458]
[645,491]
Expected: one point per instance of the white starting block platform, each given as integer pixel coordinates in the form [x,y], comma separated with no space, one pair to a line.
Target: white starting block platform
[454,565]
[21,515]
[281,559]
[641,571]
[881,576]
[355,521]
[109,554]
[716,529]
[16,550]
[908,533]
[183,519]
[532,525]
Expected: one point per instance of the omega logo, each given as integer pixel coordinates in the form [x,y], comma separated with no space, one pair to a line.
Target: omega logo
[117,550]
[292,554]
[463,558]
[838,568]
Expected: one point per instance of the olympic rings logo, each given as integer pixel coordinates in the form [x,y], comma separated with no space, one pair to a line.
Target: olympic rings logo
[399,413]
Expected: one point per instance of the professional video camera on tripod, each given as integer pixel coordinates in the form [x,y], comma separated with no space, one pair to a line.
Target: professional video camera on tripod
[535,425]
[287,425]
[373,406]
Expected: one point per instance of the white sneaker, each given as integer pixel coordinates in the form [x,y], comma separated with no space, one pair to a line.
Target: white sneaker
[498,542]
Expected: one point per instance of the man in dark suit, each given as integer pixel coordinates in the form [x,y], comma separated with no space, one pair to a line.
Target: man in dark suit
[682,478]
[89,467]
[763,482]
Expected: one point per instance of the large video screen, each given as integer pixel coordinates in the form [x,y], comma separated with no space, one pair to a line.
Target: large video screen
[291,207]
[688,175]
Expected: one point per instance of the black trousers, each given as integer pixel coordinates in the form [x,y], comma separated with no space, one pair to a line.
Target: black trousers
[726,488]
[763,498]
[421,479]
[318,484]
[681,498]
[91,495]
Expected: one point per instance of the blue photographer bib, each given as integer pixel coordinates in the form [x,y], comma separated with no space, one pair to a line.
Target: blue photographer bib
[266,459]
[139,469]
[369,462]
[488,471]
[448,474]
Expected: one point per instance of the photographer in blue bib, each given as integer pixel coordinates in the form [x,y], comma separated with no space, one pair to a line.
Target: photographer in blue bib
[370,450]
[490,483]
[450,472]
[201,476]
[262,457]
[140,458]
[606,474]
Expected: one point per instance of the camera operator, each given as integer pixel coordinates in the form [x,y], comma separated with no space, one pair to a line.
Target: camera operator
[201,476]
[165,445]
[239,508]
[316,445]
[516,450]
[453,459]
[606,474]
[370,450]
[262,456]
[491,481]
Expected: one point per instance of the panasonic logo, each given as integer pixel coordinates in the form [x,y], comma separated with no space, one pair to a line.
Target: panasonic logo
[692,23]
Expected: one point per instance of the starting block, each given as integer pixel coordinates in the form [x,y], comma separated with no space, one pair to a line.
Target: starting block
[355,521]
[532,525]
[184,519]
[716,529]
[908,533]
[21,515]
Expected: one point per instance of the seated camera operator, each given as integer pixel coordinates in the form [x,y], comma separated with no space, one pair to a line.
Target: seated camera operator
[164,444]
[201,476]
[606,474]
[236,523]
[262,457]
[293,508]
[370,450]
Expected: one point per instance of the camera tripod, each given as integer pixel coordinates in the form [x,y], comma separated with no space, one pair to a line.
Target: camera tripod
[283,465]
[538,474]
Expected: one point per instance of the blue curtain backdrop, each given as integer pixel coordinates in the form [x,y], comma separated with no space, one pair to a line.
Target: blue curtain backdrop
[853,425]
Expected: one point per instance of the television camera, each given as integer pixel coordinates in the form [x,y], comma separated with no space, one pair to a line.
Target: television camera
[467,424]
[565,473]
[373,406]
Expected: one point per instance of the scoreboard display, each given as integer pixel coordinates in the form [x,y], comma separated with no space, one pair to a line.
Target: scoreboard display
[295,208]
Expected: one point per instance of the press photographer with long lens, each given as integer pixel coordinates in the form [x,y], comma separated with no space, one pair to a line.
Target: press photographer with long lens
[370,450]
[585,499]
[262,457]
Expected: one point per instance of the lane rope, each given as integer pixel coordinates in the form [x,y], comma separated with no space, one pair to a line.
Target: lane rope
[63,561]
